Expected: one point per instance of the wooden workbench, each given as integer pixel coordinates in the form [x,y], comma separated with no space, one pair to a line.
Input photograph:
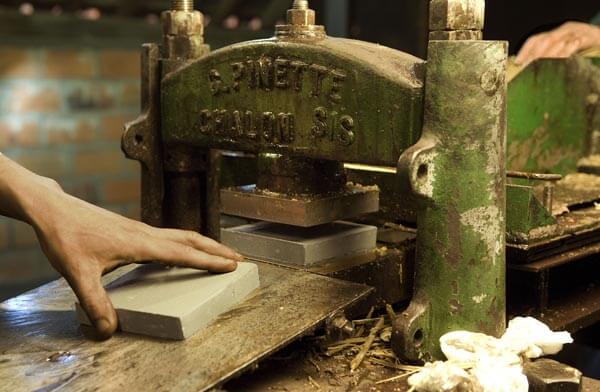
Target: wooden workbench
[42,349]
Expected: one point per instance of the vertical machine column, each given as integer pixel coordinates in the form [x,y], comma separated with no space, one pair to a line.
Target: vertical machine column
[189,174]
[457,174]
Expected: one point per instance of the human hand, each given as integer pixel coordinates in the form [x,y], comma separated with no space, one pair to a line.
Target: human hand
[83,242]
[562,42]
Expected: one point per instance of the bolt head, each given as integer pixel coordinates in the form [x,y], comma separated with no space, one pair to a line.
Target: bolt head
[182,23]
[299,17]
[180,47]
[456,15]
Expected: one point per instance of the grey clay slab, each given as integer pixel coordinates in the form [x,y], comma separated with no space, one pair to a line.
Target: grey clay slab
[175,303]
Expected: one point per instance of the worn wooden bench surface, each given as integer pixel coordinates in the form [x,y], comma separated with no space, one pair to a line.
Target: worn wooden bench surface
[42,349]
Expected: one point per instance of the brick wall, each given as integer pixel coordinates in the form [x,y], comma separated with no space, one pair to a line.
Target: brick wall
[61,115]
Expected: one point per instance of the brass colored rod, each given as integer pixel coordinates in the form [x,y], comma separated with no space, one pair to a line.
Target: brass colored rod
[183,5]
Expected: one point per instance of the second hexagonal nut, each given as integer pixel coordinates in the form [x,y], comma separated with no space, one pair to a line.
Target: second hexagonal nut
[182,23]
[456,15]
[301,17]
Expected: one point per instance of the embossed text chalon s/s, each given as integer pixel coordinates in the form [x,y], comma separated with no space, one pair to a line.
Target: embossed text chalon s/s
[269,74]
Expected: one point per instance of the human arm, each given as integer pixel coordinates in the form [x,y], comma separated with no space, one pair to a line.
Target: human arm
[83,241]
[563,42]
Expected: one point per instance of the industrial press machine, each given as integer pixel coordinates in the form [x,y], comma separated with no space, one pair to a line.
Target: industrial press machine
[304,130]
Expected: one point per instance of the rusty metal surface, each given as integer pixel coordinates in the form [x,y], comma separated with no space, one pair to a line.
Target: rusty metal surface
[591,163]
[184,201]
[546,375]
[456,20]
[534,176]
[213,190]
[573,312]
[37,327]
[389,271]
[575,254]
[142,142]
[395,205]
[575,190]
[590,385]
[304,211]
[456,15]
[574,230]
[183,34]
[298,176]
[456,173]
[396,236]
[301,24]
[535,295]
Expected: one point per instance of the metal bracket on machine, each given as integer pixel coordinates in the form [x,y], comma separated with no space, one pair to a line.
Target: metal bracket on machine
[457,172]
[141,140]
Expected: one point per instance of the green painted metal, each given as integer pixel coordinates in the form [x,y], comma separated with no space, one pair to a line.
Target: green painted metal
[334,99]
[524,212]
[457,173]
[549,115]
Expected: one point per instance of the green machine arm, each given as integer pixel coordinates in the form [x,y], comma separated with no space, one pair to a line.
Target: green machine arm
[457,173]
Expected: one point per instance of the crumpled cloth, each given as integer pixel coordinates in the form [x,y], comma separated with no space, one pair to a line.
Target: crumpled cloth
[482,363]
[534,339]
[441,377]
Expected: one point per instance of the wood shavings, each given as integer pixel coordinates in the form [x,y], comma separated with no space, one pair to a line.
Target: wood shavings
[399,377]
[381,251]
[390,311]
[367,345]
[365,321]
[386,334]
[313,383]
[361,330]
[311,359]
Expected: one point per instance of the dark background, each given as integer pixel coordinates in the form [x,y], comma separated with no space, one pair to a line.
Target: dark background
[401,24]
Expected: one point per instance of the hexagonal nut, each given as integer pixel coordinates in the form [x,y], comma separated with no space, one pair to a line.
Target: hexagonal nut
[301,17]
[177,47]
[456,35]
[182,23]
[456,15]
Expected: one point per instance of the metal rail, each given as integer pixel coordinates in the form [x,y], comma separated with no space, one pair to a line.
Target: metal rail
[534,176]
